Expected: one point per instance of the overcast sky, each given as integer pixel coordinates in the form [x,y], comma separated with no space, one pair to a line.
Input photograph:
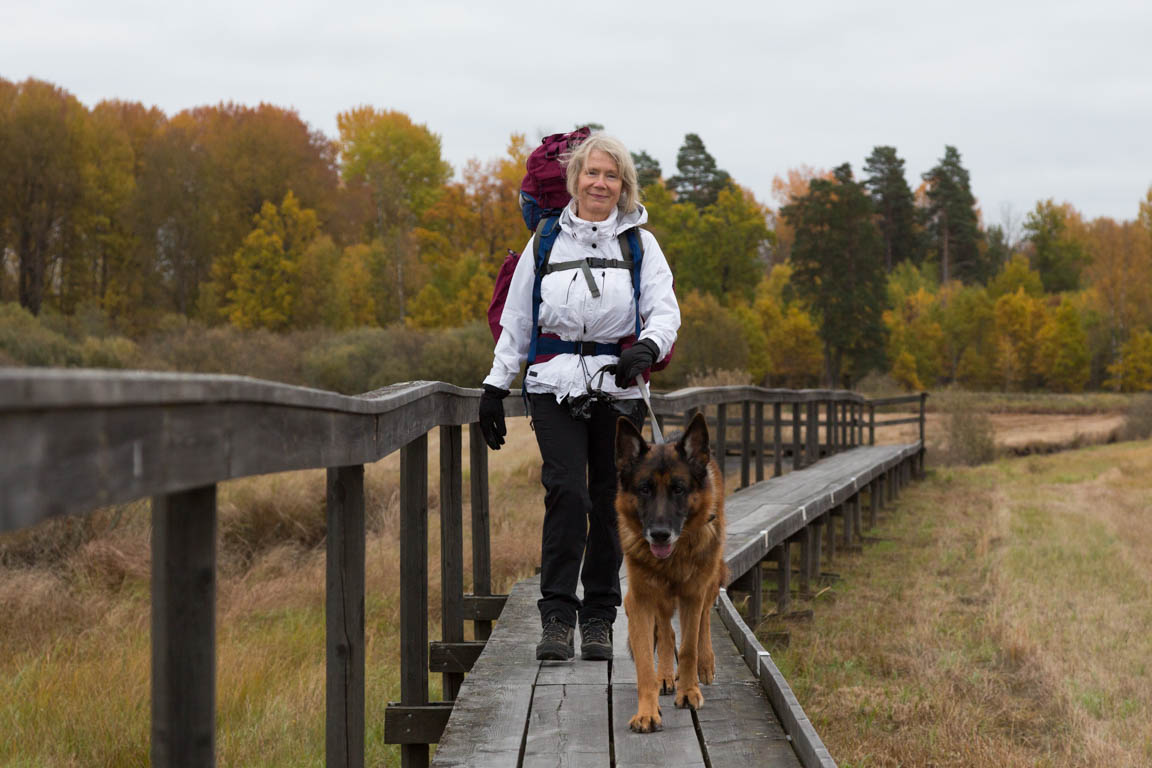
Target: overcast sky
[1043,99]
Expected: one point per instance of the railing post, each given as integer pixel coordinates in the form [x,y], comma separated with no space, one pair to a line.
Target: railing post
[830,428]
[923,402]
[481,536]
[745,443]
[797,458]
[871,424]
[344,618]
[760,441]
[777,450]
[451,547]
[184,629]
[414,587]
[812,450]
[722,436]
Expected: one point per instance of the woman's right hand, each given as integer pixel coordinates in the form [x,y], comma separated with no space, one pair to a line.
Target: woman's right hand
[492,416]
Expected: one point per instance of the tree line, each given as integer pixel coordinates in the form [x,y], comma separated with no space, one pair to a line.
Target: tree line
[246,217]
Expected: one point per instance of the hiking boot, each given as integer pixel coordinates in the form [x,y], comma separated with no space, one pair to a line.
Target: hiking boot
[596,640]
[555,642]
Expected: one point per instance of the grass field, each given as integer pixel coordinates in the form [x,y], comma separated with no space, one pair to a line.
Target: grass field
[1002,618]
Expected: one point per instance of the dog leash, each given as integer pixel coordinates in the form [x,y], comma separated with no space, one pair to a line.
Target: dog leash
[643,385]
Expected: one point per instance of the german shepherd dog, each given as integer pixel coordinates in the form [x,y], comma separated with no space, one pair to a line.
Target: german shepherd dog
[670,514]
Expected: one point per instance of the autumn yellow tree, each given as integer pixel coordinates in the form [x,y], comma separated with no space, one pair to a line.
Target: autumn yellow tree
[1018,319]
[1062,349]
[399,162]
[260,282]
[1132,372]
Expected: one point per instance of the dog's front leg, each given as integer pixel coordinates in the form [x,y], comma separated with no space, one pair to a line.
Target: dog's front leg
[687,686]
[706,659]
[666,650]
[641,634]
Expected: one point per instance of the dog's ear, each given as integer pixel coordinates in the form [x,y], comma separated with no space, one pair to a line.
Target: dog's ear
[693,445]
[630,444]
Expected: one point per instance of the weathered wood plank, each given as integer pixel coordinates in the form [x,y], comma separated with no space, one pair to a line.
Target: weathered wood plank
[568,727]
[676,745]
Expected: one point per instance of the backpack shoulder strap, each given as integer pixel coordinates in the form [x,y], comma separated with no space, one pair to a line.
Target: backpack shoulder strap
[632,249]
[542,242]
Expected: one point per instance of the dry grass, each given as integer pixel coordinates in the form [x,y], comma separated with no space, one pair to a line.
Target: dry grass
[74,596]
[1004,618]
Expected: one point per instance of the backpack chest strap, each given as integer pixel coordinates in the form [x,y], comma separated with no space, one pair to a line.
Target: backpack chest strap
[586,266]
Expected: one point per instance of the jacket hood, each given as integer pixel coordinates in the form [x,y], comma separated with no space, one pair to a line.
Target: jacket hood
[584,231]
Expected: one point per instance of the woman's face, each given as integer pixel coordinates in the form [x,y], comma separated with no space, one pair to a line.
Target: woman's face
[598,188]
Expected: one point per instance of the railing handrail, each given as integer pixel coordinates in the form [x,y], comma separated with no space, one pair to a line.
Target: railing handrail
[82,422]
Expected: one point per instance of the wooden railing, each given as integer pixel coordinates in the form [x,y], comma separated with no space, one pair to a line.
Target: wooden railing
[71,441]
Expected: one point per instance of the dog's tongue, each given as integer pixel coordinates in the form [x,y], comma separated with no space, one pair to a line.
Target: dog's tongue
[660,550]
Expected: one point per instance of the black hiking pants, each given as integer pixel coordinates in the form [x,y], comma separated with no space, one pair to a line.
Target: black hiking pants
[579,477]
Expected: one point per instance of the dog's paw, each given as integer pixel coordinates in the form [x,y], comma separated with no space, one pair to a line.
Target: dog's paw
[641,723]
[690,698]
[667,685]
[706,670]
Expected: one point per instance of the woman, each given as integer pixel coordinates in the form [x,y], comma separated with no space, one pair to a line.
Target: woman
[575,430]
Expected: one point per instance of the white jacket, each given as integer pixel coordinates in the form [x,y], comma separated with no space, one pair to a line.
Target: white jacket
[568,309]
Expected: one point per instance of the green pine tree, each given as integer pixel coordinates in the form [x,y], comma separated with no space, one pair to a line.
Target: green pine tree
[699,181]
[648,169]
[839,268]
[1057,255]
[894,205]
[953,229]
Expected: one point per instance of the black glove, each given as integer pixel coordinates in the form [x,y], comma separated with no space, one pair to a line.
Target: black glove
[492,416]
[634,361]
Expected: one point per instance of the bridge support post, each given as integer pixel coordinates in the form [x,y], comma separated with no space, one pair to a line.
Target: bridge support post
[817,540]
[873,501]
[344,618]
[184,629]
[857,523]
[807,550]
[784,577]
[756,594]
[830,531]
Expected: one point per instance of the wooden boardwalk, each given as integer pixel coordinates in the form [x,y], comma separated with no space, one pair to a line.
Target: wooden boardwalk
[515,711]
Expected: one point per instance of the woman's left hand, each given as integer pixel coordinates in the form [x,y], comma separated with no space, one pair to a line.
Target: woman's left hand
[634,361]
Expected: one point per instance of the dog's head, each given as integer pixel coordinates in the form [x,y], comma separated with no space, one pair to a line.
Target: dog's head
[662,487]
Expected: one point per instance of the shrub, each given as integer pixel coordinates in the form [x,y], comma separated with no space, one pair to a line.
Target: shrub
[25,340]
[461,356]
[109,352]
[1138,419]
[711,338]
[971,438]
[719,379]
[364,359]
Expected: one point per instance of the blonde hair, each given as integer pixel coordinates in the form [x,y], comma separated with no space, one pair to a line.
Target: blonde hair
[615,149]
